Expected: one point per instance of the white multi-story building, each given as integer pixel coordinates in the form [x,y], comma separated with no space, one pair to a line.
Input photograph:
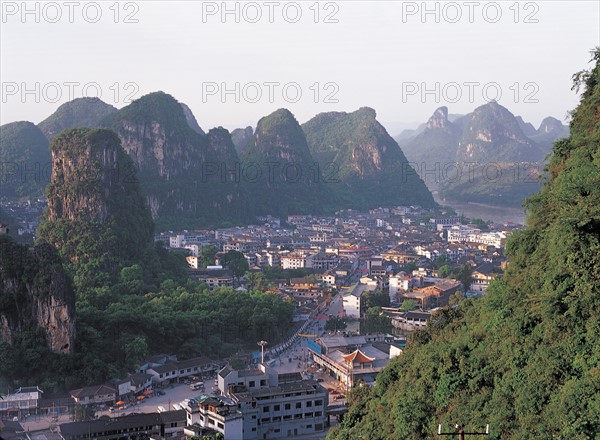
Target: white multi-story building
[260,403]
[467,234]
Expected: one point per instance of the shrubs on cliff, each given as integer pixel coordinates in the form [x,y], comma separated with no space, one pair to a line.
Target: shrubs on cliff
[525,358]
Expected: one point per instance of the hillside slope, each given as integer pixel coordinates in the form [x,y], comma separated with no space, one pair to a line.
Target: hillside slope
[524,358]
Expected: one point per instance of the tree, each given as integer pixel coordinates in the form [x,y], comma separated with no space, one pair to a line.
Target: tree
[236,262]
[376,299]
[408,305]
[257,281]
[207,255]
[335,323]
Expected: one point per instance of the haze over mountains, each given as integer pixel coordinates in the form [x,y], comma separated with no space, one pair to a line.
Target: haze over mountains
[193,178]
[336,160]
[487,156]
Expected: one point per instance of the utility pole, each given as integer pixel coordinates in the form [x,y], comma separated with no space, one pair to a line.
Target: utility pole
[460,431]
[262,350]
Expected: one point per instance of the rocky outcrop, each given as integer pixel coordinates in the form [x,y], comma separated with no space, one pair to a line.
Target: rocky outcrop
[179,168]
[95,208]
[363,165]
[191,119]
[36,294]
[241,137]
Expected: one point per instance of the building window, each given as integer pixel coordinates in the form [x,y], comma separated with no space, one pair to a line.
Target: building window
[265,420]
[277,408]
[277,419]
[318,414]
[319,427]
[287,417]
[308,415]
[287,406]
[309,404]
[318,402]
[263,382]
[298,405]
[220,425]
[308,426]
[265,409]
[252,384]
[297,416]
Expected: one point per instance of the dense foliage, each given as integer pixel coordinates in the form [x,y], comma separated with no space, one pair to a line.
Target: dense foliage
[524,358]
[360,162]
[282,176]
[96,216]
[133,297]
[24,161]
[80,112]
[182,172]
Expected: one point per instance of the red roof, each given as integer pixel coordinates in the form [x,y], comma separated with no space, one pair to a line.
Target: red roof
[357,356]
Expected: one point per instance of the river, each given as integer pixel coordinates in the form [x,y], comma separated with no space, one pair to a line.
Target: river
[495,213]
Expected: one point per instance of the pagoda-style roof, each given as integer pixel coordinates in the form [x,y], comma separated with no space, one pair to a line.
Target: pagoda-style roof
[357,356]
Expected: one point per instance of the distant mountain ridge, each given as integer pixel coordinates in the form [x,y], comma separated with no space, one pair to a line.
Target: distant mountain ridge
[487,156]
[193,178]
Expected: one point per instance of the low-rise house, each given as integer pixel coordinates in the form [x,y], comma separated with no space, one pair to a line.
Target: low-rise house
[213,277]
[169,424]
[140,382]
[436,295]
[94,395]
[174,371]
[481,277]
[22,400]
[353,301]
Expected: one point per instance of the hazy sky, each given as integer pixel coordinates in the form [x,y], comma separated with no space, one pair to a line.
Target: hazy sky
[404,59]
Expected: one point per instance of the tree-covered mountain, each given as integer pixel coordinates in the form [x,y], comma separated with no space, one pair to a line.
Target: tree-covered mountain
[524,358]
[96,215]
[24,161]
[279,173]
[78,113]
[241,137]
[183,173]
[487,156]
[435,146]
[493,135]
[362,164]
[191,119]
[550,130]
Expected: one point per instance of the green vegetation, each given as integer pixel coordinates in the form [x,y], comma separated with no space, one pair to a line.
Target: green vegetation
[288,180]
[525,357]
[96,216]
[179,169]
[361,164]
[24,161]
[236,262]
[78,113]
[133,297]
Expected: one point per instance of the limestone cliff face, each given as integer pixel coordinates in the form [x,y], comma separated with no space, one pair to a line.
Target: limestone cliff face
[285,179]
[493,134]
[36,294]
[95,208]
[368,166]
[241,137]
[179,166]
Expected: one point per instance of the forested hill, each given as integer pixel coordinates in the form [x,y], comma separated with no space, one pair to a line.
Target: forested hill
[525,357]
